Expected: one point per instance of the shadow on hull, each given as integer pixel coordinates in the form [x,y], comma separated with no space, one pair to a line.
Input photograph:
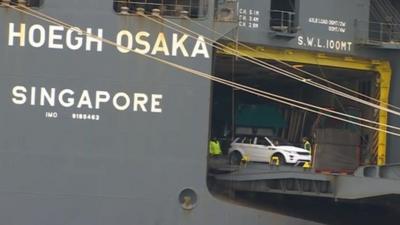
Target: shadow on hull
[319,209]
[324,210]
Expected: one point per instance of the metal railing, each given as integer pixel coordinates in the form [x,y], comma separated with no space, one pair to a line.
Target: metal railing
[283,21]
[377,32]
[192,8]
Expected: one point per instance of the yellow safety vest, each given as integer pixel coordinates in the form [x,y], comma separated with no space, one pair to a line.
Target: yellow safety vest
[215,148]
[307,146]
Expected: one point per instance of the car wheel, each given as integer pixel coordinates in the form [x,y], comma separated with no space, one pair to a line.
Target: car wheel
[281,159]
[235,158]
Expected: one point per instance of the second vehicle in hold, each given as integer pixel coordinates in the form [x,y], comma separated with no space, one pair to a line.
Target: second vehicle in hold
[265,149]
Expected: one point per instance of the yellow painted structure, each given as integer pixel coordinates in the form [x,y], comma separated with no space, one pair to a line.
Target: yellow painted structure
[275,160]
[316,58]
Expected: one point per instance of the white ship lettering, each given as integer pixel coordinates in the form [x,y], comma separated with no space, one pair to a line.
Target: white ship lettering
[121,101]
[54,36]
[57,37]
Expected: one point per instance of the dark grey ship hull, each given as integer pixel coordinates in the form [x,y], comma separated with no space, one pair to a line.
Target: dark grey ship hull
[125,168]
[89,157]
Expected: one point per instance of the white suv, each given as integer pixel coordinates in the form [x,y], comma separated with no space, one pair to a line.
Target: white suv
[263,149]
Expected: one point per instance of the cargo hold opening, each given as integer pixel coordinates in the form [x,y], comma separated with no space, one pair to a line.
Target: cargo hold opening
[336,146]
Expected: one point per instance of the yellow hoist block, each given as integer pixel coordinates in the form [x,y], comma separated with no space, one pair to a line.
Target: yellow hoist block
[275,160]
[307,165]
[244,160]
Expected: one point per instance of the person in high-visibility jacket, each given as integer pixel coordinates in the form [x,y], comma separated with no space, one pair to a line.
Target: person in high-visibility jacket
[307,145]
[215,147]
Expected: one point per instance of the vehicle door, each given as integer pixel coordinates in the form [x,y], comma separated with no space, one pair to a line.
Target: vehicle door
[259,150]
[268,147]
[248,147]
